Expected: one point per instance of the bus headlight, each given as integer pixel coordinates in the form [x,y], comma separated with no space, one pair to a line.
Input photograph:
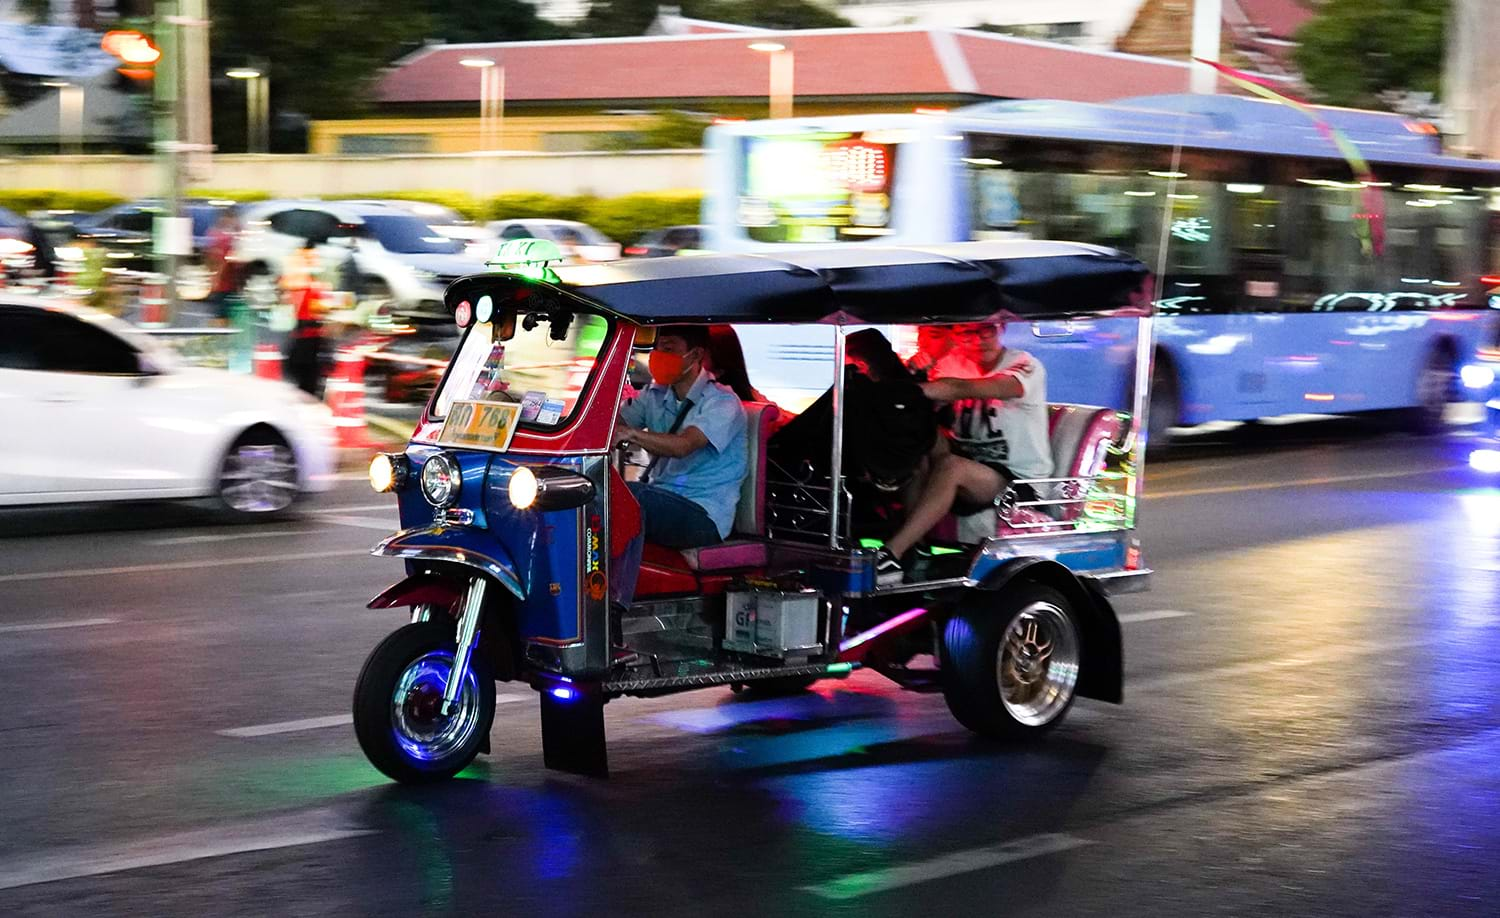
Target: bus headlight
[1485,460]
[441,480]
[388,471]
[522,488]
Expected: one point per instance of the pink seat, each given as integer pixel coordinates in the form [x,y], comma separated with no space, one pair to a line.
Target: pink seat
[750,515]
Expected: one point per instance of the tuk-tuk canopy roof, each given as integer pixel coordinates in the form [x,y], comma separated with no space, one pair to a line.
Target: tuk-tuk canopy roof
[852,285]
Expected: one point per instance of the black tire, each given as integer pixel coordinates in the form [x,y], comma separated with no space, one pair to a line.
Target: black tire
[258,476]
[425,645]
[971,665]
[1437,386]
[1165,408]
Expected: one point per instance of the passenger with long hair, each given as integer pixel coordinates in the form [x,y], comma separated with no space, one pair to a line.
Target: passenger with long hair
[726,361]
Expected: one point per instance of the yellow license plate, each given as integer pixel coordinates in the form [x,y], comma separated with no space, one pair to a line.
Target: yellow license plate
[484,425]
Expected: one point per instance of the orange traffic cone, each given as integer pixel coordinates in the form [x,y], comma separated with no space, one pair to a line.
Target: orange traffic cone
[345,393]
[266,362]
[153,303]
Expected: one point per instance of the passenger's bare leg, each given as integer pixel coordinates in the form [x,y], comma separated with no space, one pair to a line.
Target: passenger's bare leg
[952,477]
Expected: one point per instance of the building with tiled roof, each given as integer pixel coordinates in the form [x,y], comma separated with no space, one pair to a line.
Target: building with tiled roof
[571,95]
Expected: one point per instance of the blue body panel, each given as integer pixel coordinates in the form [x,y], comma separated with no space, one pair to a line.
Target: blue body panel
[543,549]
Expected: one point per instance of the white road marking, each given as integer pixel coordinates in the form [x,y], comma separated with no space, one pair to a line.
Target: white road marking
[95,860]
[1129,618]
[232,536]
[180,565]
[361,508]
[1297,482]
[1315,658]
[48,626]
[856,885]
[364,522]
[320,723]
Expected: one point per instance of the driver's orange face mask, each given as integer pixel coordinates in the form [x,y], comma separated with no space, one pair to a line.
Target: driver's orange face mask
[666,367]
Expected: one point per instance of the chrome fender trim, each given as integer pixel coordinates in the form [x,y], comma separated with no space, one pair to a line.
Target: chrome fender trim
[435,543]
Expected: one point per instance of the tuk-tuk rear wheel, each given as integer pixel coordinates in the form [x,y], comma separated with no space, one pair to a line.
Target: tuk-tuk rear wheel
[1011,661]
[397,701]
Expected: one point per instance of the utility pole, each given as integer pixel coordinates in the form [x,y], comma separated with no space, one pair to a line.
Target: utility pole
[1208,20]
[1471,80]
[182,125]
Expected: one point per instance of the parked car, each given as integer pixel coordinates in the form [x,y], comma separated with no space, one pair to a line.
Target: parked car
[396,256]
[666,241]
[125,233]
[478,241]
[99,411]
[579,242]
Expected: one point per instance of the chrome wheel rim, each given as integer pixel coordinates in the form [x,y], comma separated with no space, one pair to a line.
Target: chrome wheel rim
[259,478]
[1037,664]
[422,731]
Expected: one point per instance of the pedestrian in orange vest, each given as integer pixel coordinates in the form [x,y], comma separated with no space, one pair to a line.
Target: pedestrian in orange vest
[299,284]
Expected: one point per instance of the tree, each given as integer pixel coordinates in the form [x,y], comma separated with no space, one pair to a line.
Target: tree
[769,14]
[1357,52]
[670,130]
[322,58]
[632,17]
[491,20]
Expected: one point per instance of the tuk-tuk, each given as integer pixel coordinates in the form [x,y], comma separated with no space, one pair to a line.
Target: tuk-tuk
[514,503]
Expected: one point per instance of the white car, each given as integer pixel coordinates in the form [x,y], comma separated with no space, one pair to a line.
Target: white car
[398,256]
[579,242]
[95,410]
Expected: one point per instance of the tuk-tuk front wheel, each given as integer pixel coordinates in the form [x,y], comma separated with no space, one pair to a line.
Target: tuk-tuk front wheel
[398,703]
[1010,662]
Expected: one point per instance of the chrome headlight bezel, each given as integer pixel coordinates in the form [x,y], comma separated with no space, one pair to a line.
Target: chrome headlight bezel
[441,480]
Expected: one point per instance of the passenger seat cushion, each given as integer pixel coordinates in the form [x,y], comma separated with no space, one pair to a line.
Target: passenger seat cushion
[750,515]
[731,555]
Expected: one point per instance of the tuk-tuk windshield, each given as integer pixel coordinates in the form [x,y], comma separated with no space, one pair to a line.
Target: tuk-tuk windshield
[544,365]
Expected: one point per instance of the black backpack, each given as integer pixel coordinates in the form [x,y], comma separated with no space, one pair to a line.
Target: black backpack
[888,428]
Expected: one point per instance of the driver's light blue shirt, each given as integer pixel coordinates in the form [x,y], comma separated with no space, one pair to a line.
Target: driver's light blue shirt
[710,477]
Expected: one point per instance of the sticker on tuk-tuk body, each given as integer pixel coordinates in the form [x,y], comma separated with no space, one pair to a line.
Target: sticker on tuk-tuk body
[531,405]
[485,425]
[551,412]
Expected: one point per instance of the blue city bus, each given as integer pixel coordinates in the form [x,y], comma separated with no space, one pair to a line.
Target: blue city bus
[1288,284]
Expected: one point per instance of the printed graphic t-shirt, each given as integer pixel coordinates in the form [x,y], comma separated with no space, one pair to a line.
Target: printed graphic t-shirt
[1010,433]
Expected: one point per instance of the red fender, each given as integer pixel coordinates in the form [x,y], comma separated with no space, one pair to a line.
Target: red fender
[420,589]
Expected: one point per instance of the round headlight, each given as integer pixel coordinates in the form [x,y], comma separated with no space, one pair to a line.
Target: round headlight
[382,473]
[440,480]
[523,488]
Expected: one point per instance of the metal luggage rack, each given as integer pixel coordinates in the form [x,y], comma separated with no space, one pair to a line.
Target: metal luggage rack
[1104,501]
[797,507]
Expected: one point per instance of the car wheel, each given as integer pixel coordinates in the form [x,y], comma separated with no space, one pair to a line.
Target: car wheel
[398,698]
[258,476]
[1165,408]
[1010,661]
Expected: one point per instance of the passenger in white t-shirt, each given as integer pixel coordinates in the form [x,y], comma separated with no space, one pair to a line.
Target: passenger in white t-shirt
[998,434]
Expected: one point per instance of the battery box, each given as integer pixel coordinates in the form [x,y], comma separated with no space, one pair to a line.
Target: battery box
[772,623]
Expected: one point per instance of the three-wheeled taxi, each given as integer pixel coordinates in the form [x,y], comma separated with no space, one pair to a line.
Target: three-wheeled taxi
[514,504]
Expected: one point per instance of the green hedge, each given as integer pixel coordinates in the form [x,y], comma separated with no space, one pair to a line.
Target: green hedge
[27,200]
[623,218]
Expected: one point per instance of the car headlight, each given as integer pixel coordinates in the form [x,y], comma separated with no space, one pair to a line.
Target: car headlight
[388,471]
[1477,376]
[441,479]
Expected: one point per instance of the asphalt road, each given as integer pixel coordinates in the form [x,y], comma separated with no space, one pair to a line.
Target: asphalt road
[1309,729]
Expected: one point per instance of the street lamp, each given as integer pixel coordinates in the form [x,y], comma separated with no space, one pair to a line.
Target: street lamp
[781,76]
[491,101]
[69,115]
[257,107]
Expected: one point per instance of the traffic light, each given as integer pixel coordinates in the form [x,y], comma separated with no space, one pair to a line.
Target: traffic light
[135,50]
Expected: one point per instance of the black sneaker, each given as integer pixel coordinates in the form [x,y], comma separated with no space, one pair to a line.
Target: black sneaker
[888,570]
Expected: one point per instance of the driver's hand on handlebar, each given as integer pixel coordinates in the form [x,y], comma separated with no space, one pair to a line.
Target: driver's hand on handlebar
[622,435]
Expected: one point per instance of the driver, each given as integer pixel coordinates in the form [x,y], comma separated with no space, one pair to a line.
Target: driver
[694,431]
